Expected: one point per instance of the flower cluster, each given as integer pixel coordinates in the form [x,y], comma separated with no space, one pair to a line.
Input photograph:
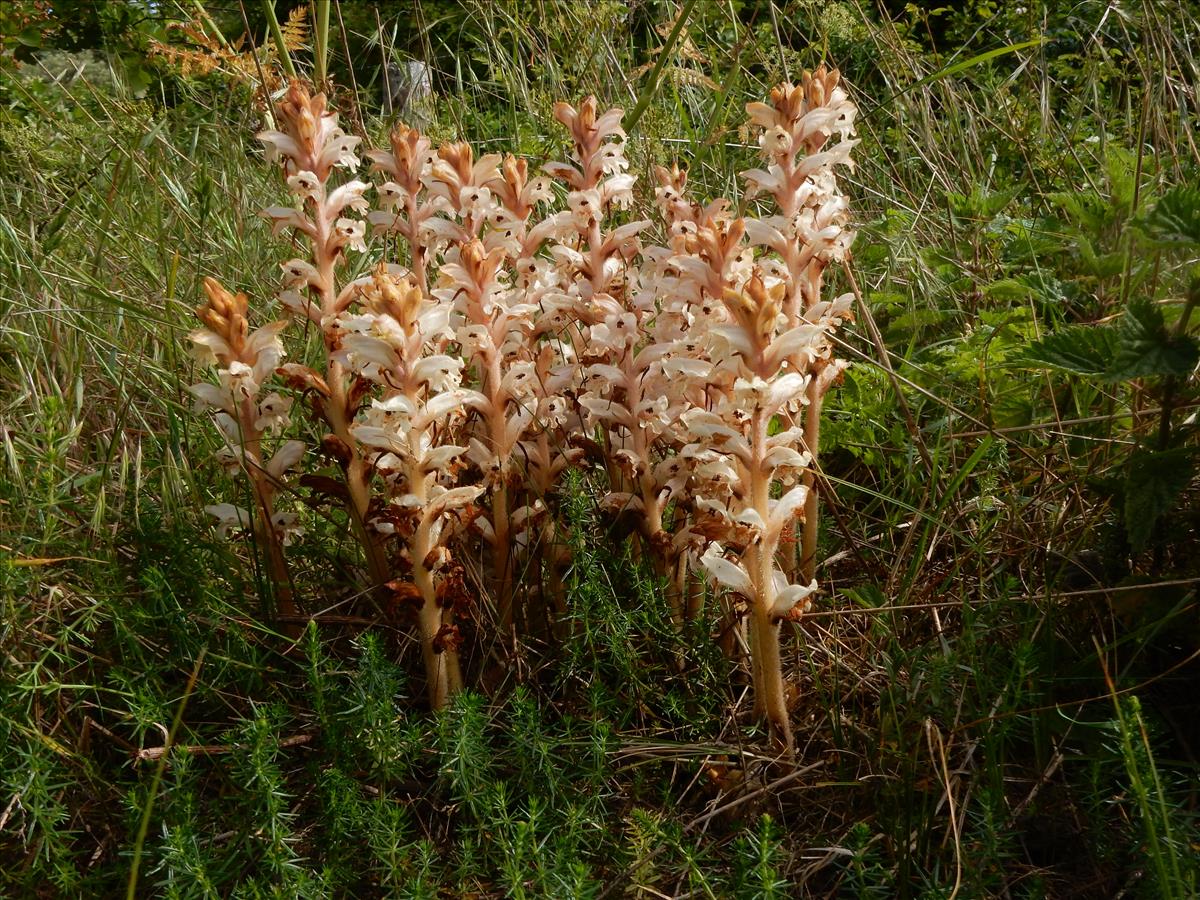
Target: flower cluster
[755,336]
[746,472]
[309,149]
[245,361]
[474,217]
[501,341]
[409,432]
[807,129]
[617,294]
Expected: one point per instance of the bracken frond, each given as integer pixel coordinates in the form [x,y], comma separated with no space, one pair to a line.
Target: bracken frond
[295,30]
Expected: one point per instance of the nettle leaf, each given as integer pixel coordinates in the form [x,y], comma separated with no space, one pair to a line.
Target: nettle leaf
[1154,481]
[1099,265]
[979,205]
[1009,289]
[1144,347]
[1081,349]
[1138,347]
[1025,287]
[1175,220]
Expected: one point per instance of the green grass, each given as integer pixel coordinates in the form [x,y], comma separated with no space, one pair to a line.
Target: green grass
[995,692]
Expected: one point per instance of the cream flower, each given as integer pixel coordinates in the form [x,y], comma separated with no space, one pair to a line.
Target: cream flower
[229,518]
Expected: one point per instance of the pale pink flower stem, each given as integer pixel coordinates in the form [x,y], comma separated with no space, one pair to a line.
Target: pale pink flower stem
[770,696]
[337,413]
[266,534]
[812,442]
[444,678]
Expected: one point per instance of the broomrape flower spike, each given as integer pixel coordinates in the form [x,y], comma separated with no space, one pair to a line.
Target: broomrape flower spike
[615,292]
[474,216]
[406,206]
[750,304]
[410,434]
[309,148]
[245,360]
[806,134]
[739,467]
[492,336]
[492,330]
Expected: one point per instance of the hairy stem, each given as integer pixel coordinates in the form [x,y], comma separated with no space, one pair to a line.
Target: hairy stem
[502,557]
[270,542]
[444,679]
[338,414]
[691,589]
[770,699]
[812,441]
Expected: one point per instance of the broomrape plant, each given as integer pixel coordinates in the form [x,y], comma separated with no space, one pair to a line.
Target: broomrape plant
[807,233]
[623,391]
[244,361]
[500,341]
[474,216]
[310,148]
[395,342]
[768,341]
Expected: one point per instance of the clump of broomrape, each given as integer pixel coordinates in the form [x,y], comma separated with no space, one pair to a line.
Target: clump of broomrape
[473,217]
[501,340]
[624,391]
[768,340]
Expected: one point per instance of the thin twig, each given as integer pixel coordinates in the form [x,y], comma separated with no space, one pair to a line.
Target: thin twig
[1085,420]
[652,86]
[357,108]
[1022,598]
[944,771]
[758,792]
[149,753]
[144,826]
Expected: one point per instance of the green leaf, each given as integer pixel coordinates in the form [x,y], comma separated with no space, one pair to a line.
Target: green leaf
[1175,220]
[1145,348]
[1153,484]
[867,596]
[1139,347]
[1024,287]
[1081,349]
[1008,290]
[31,36]
[978,60]
[979,205]
[1099,265]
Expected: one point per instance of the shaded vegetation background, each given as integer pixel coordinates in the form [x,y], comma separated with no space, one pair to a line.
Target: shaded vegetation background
[998,693]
